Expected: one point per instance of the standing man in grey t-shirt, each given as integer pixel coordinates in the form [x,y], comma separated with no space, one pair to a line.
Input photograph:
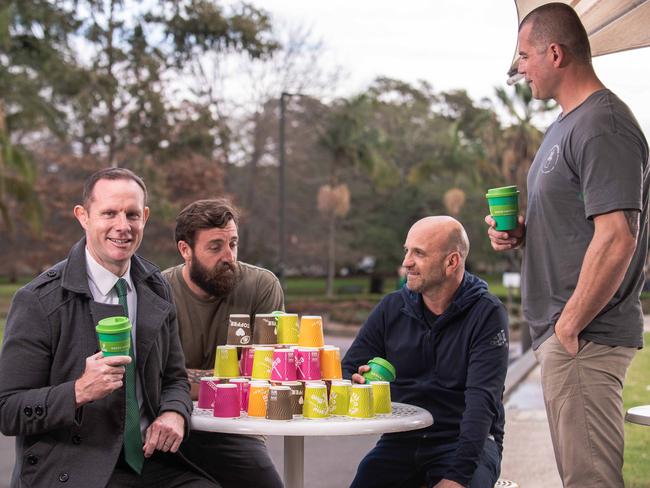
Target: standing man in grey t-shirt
[209,286]
[585,242]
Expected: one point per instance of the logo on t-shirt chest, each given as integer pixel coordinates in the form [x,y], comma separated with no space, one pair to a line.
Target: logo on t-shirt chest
[551,159]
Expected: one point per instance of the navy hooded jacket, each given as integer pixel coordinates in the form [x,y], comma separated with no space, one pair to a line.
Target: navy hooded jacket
[454,368]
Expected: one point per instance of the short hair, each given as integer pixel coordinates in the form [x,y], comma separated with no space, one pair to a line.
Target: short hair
[110,174]
[558,22]
[204,214]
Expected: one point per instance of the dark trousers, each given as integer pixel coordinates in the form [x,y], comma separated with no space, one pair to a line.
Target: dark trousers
[412,461]
[160,470]
[235,461]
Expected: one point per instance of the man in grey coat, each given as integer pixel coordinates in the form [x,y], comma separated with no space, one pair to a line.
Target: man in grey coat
[82,419]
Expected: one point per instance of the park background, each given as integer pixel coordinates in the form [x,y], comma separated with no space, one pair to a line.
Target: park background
[330,164]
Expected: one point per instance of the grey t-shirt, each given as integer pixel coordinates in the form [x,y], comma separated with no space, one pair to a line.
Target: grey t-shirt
[592,161]
[203,323]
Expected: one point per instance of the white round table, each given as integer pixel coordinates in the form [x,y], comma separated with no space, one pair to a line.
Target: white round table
[404,417]
[639,415]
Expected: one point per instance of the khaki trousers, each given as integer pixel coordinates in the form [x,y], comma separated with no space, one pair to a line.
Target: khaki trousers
[584,405]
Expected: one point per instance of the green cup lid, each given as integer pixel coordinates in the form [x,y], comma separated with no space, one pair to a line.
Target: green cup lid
[278,312]
[113,325]
[385,364]
[502,191]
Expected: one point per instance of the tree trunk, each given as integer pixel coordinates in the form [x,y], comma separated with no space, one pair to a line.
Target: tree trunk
[331,256]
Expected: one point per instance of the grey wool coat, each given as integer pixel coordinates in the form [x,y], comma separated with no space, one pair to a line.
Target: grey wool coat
[50,332]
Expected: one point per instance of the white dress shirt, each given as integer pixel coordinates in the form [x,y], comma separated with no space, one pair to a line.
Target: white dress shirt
[102,286]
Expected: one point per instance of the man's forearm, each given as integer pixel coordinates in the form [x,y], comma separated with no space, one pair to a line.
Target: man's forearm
[603,269]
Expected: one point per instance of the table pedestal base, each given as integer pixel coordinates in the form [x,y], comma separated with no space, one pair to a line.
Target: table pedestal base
[294,461]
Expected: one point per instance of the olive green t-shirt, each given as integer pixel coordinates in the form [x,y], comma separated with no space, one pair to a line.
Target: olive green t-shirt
[203,324]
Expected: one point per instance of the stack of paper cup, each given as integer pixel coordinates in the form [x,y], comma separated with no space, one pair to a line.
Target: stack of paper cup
[307,363]
[225,364]
[264,331]
[243,386]
[361,405]
[315,406]
[284,365]
[207,390]
[381,397]
[239,330]
[311,331]
[258,397]
[340,397]
[246,362]
[287,327]
[226,401]
[330,363]
[297,396]
[262,363]
[279,403]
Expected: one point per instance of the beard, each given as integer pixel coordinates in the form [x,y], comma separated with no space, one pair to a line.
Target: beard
[217,282]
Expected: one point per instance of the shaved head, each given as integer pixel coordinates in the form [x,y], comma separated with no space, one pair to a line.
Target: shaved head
[447,233]
[558,22]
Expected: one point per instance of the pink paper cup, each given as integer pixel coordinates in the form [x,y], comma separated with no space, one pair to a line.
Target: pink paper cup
[207,390]
[308,363]
[243,386]
[284,365]
[226,401]
[246,361]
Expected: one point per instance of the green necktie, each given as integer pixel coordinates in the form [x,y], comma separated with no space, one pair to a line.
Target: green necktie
[132,436]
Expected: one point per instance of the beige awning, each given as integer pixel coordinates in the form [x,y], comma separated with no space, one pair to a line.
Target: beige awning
[612,25]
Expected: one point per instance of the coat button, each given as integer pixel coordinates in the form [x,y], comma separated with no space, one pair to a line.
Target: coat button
[28,411]
[39,411]
[31,459]
[76,439]
[51,273]
[63,477]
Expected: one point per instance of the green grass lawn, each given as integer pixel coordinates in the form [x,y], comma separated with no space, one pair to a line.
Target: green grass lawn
[637,437]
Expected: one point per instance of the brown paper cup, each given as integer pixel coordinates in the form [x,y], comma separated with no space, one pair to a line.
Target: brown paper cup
[264,330]
[279,403]
[239,330]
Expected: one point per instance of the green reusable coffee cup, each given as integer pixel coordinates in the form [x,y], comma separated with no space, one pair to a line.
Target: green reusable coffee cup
[504,206]
[380,370]
[114,334]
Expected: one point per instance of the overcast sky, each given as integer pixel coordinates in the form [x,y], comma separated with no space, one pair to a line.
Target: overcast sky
[449,43]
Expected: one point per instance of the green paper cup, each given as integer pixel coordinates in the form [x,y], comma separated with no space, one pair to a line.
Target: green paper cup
[287,327]
[381,397]
[361,402]
[114,334]
[315,406]
[504,206]
[380,370]
[340,397]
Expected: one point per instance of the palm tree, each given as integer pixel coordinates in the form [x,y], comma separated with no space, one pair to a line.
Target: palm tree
[352,142]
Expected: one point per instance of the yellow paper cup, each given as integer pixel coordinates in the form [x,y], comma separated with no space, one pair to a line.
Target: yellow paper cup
[225,363]
[311,331]
[361,406]
[287,325]
[330,363]
[262,363]
[340,397]
[315,406]
[381,397]
[258,397]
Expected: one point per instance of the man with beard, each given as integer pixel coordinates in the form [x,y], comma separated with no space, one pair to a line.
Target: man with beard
[447,337]
[209,286]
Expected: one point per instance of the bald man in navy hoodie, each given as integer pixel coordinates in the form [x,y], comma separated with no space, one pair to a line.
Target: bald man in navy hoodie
[447,337]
